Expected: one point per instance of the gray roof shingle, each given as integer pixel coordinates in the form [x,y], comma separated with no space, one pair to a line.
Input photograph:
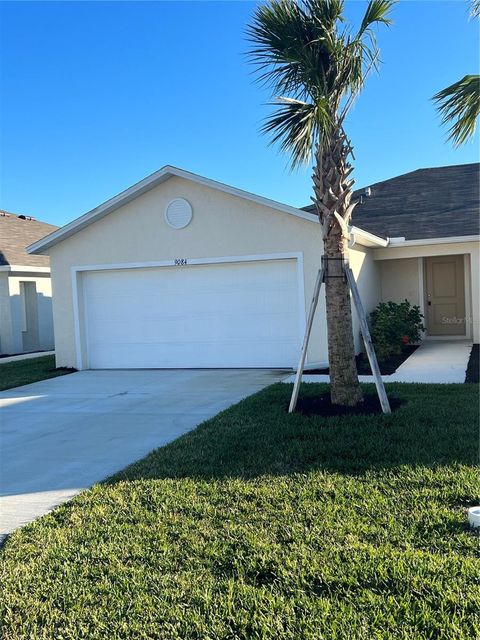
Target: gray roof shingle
[16,233]
[439,202]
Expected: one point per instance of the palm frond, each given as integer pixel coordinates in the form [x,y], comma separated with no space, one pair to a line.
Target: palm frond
[291,51]
[328,12]
[278,32]
[378,11]
[295,125]
[460,104]
[365,43]
[303,52]
[475,9]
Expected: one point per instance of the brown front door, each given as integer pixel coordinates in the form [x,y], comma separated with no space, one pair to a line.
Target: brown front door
[445,296]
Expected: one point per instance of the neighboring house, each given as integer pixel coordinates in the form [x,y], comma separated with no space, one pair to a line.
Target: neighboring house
[181,271]
[26,322]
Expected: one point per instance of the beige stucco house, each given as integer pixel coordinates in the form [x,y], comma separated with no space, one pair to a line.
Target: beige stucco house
[26,322]
[182,271]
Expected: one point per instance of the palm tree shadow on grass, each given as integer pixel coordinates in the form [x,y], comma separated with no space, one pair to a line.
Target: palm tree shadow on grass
[435,425]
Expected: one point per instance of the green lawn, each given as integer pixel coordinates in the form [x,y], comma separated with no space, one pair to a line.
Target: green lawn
[15,374]
[262,525]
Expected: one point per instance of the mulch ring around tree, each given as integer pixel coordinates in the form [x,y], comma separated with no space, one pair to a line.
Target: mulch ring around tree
[322,406]
[473,368]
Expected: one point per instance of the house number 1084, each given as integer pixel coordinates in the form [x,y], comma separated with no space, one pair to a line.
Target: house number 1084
[180,262]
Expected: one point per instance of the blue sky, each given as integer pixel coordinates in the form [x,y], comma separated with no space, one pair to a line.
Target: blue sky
[95,96]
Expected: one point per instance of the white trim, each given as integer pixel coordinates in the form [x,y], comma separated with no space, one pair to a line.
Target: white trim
[191,261]
[467,261]
[76,272]
[454,338]
[400,253]
[301,298]
[24,269]
[76,318]
[394,243]
[85,343]
[23,307]
[149,183]
[369,239]
[421,292]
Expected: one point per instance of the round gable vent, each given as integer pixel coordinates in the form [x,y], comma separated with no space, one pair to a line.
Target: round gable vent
[178,213]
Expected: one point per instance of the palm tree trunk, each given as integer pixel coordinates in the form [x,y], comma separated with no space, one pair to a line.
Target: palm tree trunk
[344,385]
[333,191]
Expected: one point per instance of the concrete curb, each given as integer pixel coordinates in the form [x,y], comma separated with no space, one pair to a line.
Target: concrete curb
[26,356]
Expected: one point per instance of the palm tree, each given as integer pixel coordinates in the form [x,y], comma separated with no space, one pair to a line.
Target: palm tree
[316,67]
[459,103]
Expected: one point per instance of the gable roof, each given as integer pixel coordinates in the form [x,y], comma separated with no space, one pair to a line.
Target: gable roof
[439,202]
[145,185]
[17,232]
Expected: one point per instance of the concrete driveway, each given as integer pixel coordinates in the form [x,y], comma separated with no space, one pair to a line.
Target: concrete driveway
[62,435]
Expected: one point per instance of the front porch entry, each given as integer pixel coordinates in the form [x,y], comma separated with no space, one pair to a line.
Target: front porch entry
[445,309]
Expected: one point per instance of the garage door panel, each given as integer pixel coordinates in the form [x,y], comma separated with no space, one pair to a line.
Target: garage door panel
[206,326]
[268,327]
[180,356]
[222,315]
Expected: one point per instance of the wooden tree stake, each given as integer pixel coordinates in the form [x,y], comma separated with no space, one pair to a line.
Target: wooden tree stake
[303,354]
[372,358]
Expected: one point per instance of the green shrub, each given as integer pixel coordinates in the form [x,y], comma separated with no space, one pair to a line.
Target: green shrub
[394,325]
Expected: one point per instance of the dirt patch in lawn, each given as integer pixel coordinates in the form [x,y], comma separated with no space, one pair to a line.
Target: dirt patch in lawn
[322,406]
[63,370]
[473,368]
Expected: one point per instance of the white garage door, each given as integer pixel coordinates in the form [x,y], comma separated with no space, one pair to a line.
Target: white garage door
[243,314]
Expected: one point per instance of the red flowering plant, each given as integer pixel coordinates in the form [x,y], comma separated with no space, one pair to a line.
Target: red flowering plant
[394,326]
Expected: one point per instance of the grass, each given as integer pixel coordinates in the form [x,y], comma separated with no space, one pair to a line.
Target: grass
[262,525]
[16,374]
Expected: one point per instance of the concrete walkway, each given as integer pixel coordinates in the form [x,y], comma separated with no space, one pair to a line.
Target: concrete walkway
[435,361]
[61,435]
[26,356]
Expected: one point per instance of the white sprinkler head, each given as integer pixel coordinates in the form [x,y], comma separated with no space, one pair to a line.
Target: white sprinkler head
[474,516]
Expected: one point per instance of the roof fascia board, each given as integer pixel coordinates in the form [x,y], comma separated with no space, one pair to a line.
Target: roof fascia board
[426,241]
[99,212]
[267,202]
[145,185]
[367,239]
[24,268]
